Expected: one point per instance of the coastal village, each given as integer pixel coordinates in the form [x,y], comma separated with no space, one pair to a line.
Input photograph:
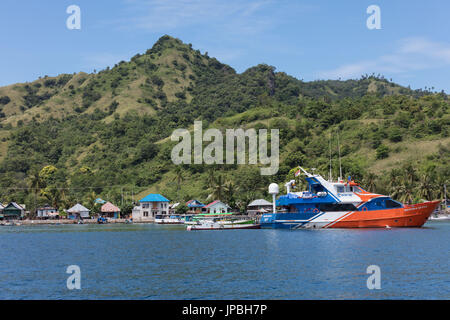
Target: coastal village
[147,209]
[153,208]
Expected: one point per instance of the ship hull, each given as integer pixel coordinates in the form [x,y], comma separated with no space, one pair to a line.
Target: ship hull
[408,216]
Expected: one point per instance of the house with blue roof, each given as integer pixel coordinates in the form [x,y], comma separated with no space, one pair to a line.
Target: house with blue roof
[150,206]
[194,206]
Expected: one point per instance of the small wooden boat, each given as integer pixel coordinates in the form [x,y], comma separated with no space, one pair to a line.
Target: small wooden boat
[102,220]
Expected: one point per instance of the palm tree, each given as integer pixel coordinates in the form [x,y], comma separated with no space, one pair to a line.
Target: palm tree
[178,176]
[36,184]
[230,189]
[400,185]
[406,193]
[409,174]
[370,181]
[245,198]
[426,186]
[394,184]
[218,189]
[53,195]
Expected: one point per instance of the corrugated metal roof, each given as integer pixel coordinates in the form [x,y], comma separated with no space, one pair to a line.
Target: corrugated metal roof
[154,197]
[15,205]
[259,202]
[78,208]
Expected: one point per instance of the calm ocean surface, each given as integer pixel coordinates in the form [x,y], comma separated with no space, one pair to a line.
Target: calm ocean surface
[144,261]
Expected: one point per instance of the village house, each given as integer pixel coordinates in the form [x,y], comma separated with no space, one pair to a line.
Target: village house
[13,211]
[78,212]
[195,206]
[259,206]
[109,210]
[173,207]
[216,206]
[46,212]
[1,210]
[150,206]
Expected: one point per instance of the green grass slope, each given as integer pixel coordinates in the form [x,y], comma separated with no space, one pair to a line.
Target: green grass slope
[107,134]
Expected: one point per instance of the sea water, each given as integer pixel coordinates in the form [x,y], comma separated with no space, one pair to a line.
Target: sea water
[146,261]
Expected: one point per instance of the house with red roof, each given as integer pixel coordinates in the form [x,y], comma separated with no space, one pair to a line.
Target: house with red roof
[109,210]
[216,206]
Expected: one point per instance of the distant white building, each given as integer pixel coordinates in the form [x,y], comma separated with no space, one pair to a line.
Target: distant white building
[46,212]
[150,206]
[216,207]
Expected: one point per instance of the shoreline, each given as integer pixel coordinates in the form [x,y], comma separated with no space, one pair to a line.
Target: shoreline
[65,221]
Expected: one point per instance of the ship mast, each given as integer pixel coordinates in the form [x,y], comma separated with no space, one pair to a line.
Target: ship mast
[339,151]
[330,179]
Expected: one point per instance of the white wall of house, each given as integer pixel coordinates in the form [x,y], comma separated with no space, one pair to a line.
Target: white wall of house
[148,210]
[42,213]
[218,207]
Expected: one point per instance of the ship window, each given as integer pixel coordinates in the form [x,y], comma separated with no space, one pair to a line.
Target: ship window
[340,189]
[357,189]
[337,207]
[392,204]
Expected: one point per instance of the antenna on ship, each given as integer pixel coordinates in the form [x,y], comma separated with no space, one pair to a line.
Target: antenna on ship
[339,151]
[329,176]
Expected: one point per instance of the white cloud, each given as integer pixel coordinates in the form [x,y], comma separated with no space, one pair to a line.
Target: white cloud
[166,15]
[412,54]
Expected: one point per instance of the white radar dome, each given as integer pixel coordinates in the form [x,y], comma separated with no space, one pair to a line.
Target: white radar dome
[273,188]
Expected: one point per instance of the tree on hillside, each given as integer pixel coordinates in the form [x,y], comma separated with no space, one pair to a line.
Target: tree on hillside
[218,188]
[370,182]
[179,176]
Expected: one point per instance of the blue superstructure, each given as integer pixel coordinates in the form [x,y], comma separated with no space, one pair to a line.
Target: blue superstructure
[307,208]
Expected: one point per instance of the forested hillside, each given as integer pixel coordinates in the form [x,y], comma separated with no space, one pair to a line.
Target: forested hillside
[80,136]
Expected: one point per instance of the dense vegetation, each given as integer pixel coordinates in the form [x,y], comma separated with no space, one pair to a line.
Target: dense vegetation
[76,137]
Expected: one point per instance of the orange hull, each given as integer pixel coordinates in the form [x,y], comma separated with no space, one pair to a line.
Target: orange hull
[409,216]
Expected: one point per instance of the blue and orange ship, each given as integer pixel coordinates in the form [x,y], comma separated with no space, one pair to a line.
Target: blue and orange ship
[342,204]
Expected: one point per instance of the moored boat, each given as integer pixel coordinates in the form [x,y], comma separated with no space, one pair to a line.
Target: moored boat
[224,218]
[341,204]
[102,220]
[173,219]
[212,225]
[439,217]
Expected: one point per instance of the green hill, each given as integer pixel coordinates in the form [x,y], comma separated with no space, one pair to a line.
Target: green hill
[106,133]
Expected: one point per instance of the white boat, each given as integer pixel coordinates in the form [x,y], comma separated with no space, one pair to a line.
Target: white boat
[161,219]
[439,217]
[219,225]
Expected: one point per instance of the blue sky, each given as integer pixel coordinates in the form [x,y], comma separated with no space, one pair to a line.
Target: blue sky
[307,39]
